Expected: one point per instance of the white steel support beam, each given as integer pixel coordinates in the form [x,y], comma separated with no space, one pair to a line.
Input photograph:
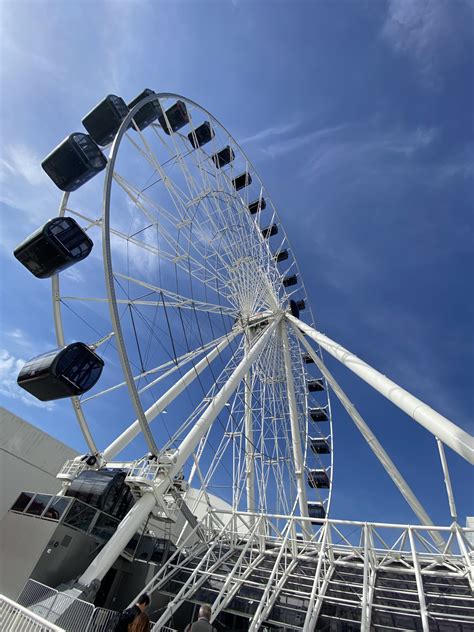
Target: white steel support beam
[312,613]
[249,444]
[125,531]
[265,602]
[368,581]
[447,481]
[450,434]
[419,583]
[165,400]
[295,430]
[191,440]
[373,442]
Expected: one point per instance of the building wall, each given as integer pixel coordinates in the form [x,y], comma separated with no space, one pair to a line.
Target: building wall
[29,459]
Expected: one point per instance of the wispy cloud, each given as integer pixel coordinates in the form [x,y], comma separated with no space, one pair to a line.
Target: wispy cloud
[21,161]
[427,30]
[269,133]
[10,366]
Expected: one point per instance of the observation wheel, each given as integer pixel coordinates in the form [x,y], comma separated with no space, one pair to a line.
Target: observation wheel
[198,272]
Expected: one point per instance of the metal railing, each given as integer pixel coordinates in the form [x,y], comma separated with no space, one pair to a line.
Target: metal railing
[72,614]
[17,618]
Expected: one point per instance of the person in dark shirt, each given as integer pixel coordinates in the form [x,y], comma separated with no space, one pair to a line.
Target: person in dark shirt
[202,624]
[127,616]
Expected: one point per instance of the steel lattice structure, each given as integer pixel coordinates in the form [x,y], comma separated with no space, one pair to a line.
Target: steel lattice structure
[197,319]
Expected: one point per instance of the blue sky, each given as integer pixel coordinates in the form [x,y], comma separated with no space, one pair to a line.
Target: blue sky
[358,118]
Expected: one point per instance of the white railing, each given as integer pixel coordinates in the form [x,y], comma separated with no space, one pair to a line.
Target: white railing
[72,614]
[16,618]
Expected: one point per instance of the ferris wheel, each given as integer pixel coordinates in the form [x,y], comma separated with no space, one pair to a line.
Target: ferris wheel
[183,332]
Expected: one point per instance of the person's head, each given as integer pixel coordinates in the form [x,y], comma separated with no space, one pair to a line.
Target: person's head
[141,623]
[143,602]
[205,612]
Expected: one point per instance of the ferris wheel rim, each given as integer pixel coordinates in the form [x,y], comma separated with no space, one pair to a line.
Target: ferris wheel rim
[107,260]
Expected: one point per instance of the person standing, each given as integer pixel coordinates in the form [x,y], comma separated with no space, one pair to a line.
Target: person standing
[128,616]
[203,623]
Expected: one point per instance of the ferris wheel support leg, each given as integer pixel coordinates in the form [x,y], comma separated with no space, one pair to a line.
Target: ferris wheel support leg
[191,440]
[117,543]
[373,443]
[249,445]
[419,583]
[165,400]
[447,481]
[295,430]
[450,434]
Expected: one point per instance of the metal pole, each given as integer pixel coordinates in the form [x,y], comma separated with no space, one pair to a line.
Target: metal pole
[419,584]
[165,400]
[125,531]
[450,434]
[447,481]
[373,443]
[295,429]
[249,445]
[202,425]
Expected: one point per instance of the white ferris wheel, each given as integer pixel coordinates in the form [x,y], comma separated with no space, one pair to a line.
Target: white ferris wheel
[200,366]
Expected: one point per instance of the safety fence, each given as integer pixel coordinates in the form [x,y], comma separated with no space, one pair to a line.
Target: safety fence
[66,611]
[16,618]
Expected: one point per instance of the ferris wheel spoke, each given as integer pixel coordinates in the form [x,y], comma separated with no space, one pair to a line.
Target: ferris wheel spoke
[165,400]
[178,300]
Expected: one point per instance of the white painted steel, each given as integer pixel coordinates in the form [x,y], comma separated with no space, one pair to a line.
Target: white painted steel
[249,440]
[295,429]
[447,480]
[372,441]
[16,618]
[117,543]
[450,434]
[165,400]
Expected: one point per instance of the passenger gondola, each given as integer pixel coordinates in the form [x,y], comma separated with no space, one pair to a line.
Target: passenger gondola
[301,305]
[290,280]
[223,157]
[60,373]
[281,255]
[74,162]
[201,135]
[319,445]
[294,309]
[241,181]
[315,385]
[147,113]
[257,206]
[318,414]
[104,120]
[316,510]
[307,359]
[318,479]
[174,118]
[57,245]
[269,231]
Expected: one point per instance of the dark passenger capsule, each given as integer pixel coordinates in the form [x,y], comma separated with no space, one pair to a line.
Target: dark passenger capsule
[201,135]
[74,161]
[58,244]
[223,157]
[60,373]
[319,445]
[174,118]
[315,385]
[318,478]
[257,206]
[103,489]
[281,256]
[244,180]
[269,231]
[290,280]
[146,114]
[104,120]
[316,510]
[294,309]
[307,359]
[301,305]
[318,414]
